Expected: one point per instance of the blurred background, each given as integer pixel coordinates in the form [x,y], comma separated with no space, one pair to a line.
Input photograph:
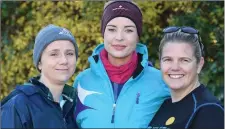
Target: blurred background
[21,21]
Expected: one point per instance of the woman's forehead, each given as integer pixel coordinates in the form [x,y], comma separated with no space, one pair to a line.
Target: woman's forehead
[121,21]
[175,48]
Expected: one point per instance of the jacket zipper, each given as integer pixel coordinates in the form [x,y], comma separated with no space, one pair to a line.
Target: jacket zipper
[113,113]
[65,124]
[114,105]
[66,115]
[64,120]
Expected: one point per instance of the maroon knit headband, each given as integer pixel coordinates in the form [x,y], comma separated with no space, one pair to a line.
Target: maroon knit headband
[122,9]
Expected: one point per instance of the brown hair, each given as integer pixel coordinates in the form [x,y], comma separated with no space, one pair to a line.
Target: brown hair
[191,39]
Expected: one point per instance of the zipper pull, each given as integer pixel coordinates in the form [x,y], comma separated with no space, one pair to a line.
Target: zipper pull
[65,123]
[113,114]
[137,98]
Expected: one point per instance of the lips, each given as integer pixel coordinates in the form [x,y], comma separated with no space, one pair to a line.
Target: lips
[119,47]
[62,69]
[176,76]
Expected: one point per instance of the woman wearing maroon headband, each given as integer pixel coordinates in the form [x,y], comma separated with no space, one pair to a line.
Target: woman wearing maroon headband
[120,89]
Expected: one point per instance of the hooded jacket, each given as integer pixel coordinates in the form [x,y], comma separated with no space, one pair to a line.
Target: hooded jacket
[33,107]
[138,101]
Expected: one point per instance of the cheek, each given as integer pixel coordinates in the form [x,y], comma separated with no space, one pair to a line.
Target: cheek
[133,41]
[164,67]
[131,44]
[47,61]
[106,43]
[72,69]
[132,37]
[48,65]
[192,73]
[191,69]
[108,38]
[106,46]
[72,62]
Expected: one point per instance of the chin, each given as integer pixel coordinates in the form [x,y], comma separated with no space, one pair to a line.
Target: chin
[175,87]
[117,54]
[63,79]
[121,55]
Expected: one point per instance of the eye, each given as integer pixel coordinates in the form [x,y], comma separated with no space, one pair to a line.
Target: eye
[129,30]
[167,60]
[185,60]
[70,53]
[53,54]
[111,29]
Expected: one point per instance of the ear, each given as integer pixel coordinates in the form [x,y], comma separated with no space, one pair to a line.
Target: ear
[200,65]
[39,65]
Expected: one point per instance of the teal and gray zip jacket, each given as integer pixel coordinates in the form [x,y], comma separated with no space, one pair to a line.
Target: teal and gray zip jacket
[137,103]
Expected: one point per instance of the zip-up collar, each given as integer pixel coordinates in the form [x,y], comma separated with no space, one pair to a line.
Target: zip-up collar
[68,92]
[97,66]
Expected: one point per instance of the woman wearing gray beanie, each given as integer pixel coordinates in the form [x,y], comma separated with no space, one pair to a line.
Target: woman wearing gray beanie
[120,89]
[45,101]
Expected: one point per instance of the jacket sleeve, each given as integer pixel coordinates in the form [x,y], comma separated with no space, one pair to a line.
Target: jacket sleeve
[209,117]
[10,117]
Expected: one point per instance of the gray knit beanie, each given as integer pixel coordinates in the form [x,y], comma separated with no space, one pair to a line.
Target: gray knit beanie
[48,35]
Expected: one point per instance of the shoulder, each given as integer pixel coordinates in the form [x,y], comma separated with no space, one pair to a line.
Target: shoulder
[85,73]
[13,110]
[152,78]
[211,108]
[18,101]
[19,97]
[153,70]
[16,111]
[83,77]
[209,116]
[154,75]
[204,97]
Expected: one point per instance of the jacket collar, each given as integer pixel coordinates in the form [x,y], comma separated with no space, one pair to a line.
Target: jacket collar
[68,92]
[97,66]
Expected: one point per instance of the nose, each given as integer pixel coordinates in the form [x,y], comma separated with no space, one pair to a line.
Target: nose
[63,59]
[119,36]
[175,66]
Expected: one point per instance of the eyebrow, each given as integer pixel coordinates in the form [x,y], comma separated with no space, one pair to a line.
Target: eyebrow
[130,26]
[179,57]
[124,27]
[55,50]
[165,57]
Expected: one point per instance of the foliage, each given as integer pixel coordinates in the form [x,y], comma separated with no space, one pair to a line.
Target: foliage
[20,22]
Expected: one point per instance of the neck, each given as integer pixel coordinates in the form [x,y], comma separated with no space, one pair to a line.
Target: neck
[55,89]
[119,61]
[177,95]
